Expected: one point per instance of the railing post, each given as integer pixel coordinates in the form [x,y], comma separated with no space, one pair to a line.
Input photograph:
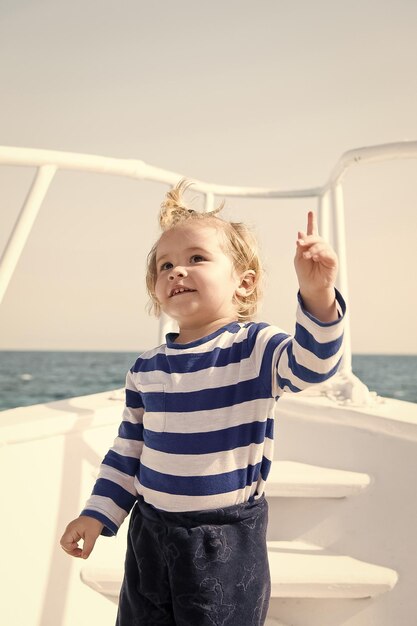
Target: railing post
[340,246]
[24,223]
[209,202]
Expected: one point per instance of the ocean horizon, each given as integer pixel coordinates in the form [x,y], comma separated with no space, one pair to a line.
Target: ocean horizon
[38,376]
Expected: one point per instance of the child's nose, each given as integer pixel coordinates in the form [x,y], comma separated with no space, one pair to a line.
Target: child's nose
[177,272]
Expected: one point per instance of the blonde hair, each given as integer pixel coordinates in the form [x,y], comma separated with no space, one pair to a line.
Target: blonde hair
[240,244]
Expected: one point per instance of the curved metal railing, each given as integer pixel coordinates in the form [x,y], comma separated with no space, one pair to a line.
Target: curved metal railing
[329,196]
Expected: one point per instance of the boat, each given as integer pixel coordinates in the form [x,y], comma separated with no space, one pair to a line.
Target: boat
[341,492]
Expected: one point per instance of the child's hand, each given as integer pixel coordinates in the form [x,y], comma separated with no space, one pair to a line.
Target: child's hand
[86,528]
[315,260]
[316,265]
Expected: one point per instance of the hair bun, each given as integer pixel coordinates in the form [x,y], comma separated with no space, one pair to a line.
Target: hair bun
[174,209]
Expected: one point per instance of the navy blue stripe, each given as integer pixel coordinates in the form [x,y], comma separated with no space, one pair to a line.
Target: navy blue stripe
[306,374]
[110,528]
[265,372]
[155,401]
[205,399]
[182,363]
[218,357]
[126,464]
[265,467]
[107,488]
[218,398]
[322,350]
[127,430]
[199,485]
[285,382]
[133,399]
[209,442]
[340,301]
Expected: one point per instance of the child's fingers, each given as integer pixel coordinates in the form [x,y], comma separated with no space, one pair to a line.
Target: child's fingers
[306,241]
[89,542]
[312,228]
[83,528]
[312,234]
[70,545]
[321,253]
[314,250]
[76,551]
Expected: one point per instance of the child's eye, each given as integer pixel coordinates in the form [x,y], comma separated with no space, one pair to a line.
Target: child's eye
[166,266]
[197,258]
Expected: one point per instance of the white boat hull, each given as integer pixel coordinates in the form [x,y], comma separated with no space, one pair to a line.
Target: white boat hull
[50,454]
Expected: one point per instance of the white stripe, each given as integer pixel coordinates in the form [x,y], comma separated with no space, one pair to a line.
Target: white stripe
[176,504]
[117,477]
[268,451]
[260,487]
[127,447]
[263,337]
[134,416]
[202,464]
[207,378]
[285,372]
[130,385]
[223,340]
[149,354]
[311,361]
[212,420]
[322,334]
[107,507]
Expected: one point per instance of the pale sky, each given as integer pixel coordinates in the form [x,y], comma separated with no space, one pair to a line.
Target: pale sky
[267,93]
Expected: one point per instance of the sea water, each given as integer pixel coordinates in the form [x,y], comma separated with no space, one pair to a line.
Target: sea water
[35,377]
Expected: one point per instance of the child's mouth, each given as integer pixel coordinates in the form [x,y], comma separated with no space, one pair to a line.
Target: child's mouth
[180,290]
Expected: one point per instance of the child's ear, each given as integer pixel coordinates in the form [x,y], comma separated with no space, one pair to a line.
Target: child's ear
[247,283]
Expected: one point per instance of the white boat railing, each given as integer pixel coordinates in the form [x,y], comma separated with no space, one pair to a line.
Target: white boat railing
[329,197]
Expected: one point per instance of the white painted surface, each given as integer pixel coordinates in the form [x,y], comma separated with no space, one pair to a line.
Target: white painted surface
[48,456]
[303,570]
[302,480]
[105,581]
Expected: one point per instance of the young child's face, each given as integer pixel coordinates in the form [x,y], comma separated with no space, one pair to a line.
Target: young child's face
[196,280]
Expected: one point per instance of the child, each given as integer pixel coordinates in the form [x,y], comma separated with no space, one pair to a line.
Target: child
[196,442]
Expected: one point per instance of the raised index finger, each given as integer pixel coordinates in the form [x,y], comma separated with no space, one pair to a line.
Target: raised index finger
[312,228]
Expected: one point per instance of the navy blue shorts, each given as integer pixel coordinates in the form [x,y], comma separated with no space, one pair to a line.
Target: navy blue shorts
[202,568]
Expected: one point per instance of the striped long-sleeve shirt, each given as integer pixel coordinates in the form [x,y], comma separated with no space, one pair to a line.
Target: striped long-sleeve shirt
[197,429]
